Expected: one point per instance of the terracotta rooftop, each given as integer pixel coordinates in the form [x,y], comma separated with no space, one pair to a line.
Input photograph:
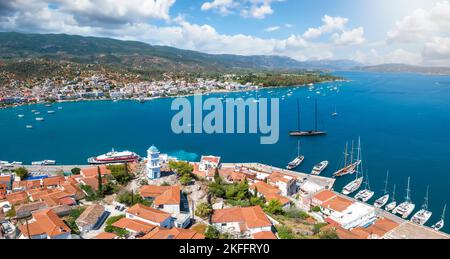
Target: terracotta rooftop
[174,233]
[93,171]
[134,225]
[90,215]
[337,204]
[105,235]
[148,213]
[46,222]
[252,217]
[324,195]
[264,235]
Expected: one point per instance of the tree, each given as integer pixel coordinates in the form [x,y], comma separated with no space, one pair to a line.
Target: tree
[180,167]
[130,199]
[328,234]
[212,233]
[217,178]
[285,232]
[100,182]
[203,210]
[274,207]
[120,174]
[316,209]
[22,172]
[76,171]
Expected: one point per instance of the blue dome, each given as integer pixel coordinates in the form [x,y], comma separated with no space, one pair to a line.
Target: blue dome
[153,149]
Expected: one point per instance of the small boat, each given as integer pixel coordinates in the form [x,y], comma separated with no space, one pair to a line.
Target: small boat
[406,208]
[309,133]
[33,111]
[29,127]
[319,168]
[393,203]
[60,108]
[49,162]
[440,224]
[297,161]
[40,119]
[385,198]
[37,163]
[335,113]
[366,194]
[423,215]
[48,105]
[37,113]
[51,112]
[20,115]
[17,163]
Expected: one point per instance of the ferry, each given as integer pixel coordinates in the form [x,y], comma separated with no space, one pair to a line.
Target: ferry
[319,168]
[406,208]
[115,157]
[385,198]
[440,224]
[424,215]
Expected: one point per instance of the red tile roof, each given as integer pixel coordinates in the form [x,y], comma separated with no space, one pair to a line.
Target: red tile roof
[134,225]
[105,235]
[93,171]
[264,235]
[148,213]
[46,222]
[252,217]
[174,233]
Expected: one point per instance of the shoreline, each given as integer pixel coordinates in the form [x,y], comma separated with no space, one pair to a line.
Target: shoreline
[172,97]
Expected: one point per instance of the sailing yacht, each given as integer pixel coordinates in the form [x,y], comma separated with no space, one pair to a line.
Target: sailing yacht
[319,168]
[349,166]
[422,217]
[406,208]
[366,194]
[335,113]
[297,161]
[440,224]
[393,204]
[356,184]
[385,198]
[309,133]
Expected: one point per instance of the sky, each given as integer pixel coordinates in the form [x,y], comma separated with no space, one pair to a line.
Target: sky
[415,32]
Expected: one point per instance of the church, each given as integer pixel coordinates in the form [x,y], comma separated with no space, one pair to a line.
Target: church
[153,166]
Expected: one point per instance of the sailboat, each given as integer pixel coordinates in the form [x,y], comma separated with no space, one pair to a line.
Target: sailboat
[335,113]
[406,208]
[297,161]
[356,184]
[366,194]
[393,203]
[310,133]
[440,224]
[385,198]
[349,166]
[422,217]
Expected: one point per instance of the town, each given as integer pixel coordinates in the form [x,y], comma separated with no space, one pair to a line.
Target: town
[161,197]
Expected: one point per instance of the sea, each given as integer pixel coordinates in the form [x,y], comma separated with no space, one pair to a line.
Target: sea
[403,121]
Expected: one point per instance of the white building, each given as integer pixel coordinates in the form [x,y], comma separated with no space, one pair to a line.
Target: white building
[153,163]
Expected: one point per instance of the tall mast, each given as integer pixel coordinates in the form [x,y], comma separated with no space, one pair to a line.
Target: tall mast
[346,154]
[298,114]
[298,148]
[367,180]
[408,198]
[352,151]
[359,168]
[425,204]
[315,103]
[443,213]
[393,194]
[386,183]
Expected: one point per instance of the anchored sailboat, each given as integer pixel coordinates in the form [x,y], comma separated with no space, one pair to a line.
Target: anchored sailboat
[393,204]
[297,161]
[310,133]
[422,217]
[385,198]
[440,224]
[356,184]
[349,166]
[335,113]
[406,208]
[366,194]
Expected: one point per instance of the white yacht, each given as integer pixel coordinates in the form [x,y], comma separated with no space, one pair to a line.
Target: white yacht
[385,198]
[40,119]
[366,194]
[393,204]
[29,126]
[440,224]
[319,168]
[297,161]
[20,115]
[406,208]
[424,215]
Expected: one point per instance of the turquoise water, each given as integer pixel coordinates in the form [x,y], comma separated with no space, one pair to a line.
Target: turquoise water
[403,121]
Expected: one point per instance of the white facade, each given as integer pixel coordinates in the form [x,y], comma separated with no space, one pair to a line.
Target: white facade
[170,208]
[356,215]
[165,224]
[153,163]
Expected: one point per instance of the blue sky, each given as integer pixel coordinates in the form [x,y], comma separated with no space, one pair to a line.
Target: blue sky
[369,31]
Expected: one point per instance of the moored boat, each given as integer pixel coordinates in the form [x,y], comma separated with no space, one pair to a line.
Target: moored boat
[366,194]
[40,119]
[115,157]
[440,224]
[393,204]
[407,207]
[319,168]
[380,202]
[297,161]
[424,215]
[308,133]
[350,166]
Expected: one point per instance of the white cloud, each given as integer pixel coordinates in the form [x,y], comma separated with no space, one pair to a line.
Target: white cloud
[437,51]
[331,24]
[422,24]
[271,29]
[257,9]
[353,37]
[403,56]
